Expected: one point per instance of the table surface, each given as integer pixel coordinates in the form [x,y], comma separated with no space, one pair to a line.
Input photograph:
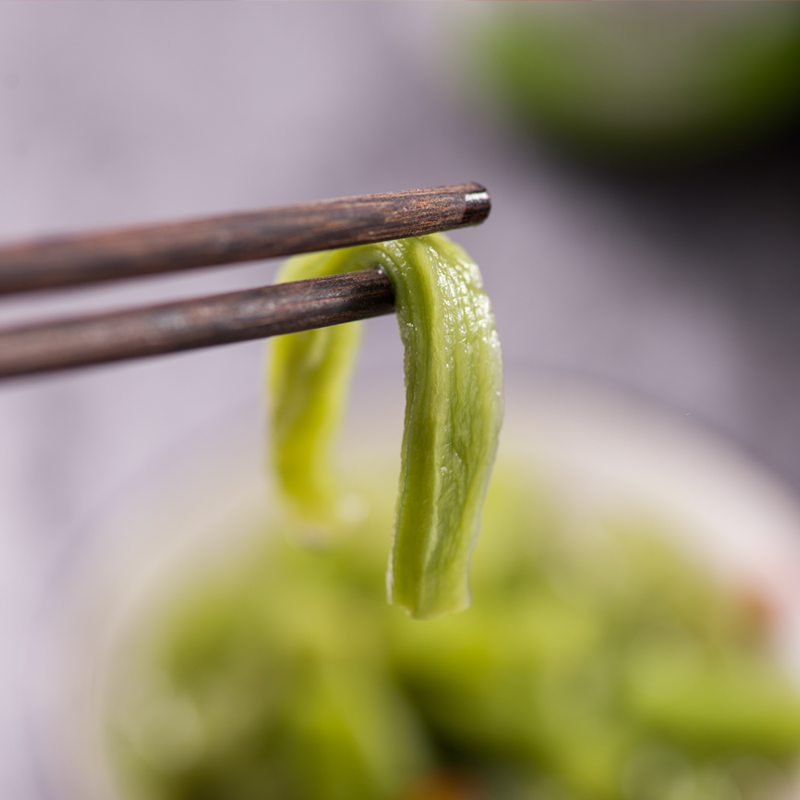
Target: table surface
[680,287]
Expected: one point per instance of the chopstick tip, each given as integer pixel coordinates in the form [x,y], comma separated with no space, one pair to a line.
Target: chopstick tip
[477,204]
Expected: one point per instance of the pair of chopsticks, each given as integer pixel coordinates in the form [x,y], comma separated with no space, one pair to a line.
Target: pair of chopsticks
[62,261]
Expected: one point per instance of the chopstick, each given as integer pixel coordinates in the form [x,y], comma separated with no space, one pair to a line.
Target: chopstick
[273,232]
[184,325]
[220,319]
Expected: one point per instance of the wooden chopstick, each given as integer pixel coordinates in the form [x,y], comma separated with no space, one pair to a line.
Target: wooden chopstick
[220,319]
[170,327]
[86,258]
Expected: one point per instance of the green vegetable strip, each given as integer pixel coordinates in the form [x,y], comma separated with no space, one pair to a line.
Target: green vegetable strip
[309,381]
[454,409]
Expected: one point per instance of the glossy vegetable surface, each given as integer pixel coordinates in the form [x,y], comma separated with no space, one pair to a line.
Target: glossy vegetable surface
[454,409]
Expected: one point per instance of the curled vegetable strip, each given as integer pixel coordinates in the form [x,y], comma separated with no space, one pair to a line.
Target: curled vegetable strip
[454,409]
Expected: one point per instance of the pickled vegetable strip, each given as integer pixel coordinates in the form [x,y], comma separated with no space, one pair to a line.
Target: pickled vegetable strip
[454,408]
[309,381]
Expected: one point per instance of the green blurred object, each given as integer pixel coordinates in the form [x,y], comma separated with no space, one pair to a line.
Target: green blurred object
[454,410]
[643,83]
[590,667]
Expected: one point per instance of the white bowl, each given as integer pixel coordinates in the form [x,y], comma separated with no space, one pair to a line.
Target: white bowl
[598,449]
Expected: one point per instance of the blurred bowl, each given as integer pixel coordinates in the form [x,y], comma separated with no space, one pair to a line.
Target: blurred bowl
[598,450]
[643,84]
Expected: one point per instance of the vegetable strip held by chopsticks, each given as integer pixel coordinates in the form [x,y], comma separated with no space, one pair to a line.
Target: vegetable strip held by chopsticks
[454,409]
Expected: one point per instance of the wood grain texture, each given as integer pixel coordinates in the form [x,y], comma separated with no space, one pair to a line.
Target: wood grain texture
[269,233]
[255,313]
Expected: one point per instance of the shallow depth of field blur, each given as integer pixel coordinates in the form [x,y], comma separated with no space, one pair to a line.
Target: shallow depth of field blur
[644,168]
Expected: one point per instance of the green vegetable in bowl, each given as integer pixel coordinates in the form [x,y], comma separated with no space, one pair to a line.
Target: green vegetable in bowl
[643,84]
[454,408]
[592,667]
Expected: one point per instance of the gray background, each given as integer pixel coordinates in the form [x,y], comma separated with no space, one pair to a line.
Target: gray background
[680,287]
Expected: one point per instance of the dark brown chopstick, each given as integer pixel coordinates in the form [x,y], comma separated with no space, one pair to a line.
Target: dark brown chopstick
[251,314]
[281,231]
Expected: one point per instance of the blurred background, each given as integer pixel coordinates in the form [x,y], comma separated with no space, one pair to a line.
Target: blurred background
[643,163]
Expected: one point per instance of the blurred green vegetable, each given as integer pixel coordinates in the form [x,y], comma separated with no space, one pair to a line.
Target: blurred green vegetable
[454,408]
[592,667]
[648,83]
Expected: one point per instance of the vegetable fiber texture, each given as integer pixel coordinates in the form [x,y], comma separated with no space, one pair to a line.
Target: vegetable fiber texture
[454,409]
